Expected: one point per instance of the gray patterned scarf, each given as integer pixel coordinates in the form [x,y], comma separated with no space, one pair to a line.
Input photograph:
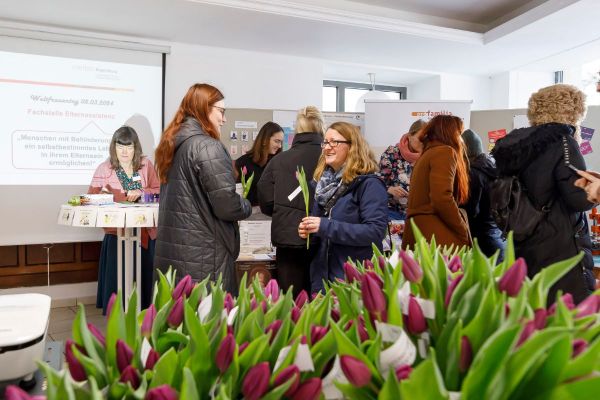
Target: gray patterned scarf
[327,185]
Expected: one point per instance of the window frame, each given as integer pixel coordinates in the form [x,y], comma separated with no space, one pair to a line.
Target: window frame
[342,86]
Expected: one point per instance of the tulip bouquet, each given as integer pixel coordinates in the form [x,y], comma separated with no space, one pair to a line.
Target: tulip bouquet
[429,324]
[246,183]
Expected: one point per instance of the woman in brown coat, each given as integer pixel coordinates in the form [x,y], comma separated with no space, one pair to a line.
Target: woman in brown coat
[439,184]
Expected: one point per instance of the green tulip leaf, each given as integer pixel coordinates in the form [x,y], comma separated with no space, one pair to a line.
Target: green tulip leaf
[188,391]
[165,369]
[489,362]
[425,375]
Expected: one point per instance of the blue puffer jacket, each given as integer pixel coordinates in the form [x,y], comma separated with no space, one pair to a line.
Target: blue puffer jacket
[358,219]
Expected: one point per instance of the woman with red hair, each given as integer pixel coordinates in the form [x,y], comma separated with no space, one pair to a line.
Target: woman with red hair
[199,208]
[439,185]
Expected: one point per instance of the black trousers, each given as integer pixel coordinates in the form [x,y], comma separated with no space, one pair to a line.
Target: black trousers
[293,268]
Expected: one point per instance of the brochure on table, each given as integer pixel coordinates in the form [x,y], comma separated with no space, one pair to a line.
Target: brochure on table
[110,216]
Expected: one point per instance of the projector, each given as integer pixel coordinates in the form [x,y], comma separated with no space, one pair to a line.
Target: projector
[23,326]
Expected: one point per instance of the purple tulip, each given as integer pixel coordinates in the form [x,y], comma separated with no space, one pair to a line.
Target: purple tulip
[301,299]
[416,323]
[352,273]
[184,287]
[152,359]
[288,373]
[162,392]
[403,372]
[273,328]
[317,333]
[526,332]
[225,353]
[272,289]
[148,321]
[111,303]
[589,306]
[124,355]
[363,335]
[455,264]
[335,314]
[97,334]
[130,375]
[450,291]
[382,262]
[579,346]
[228,303]
[256,382]
[355,370]
[410,268]
[75,368]
[375,277]
[242,347]
[373,297]
[296,313]
[567,299]
[466,354]
[539,319]
[310,389]
[13,392]
[368,264]
[176,314]
[244,170]
[513,278]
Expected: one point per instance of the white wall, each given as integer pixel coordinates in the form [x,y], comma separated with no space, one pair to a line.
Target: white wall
[500,91]
[524,83]
[427,89]
[465,87]
[247,79]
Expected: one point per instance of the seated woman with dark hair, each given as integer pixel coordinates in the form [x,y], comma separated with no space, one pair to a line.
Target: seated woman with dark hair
[128,175]
[267,144]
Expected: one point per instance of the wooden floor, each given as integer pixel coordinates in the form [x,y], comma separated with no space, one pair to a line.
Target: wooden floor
[61,321]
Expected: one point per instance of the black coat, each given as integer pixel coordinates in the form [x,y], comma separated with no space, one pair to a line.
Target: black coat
[483,227]
[278,181]
[199,209]
[536,155]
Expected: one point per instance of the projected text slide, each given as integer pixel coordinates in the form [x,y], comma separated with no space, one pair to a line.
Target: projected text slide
[59,115]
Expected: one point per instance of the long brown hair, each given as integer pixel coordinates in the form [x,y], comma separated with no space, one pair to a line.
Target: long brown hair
[360,159]
[447,129]
[196,104]
[126,136]
[260,148]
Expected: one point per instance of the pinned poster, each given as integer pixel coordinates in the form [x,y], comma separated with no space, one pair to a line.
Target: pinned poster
[494,136]
[520,121]
[585,147]
[587,133]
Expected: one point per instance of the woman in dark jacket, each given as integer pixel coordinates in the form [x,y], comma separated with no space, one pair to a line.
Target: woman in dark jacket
[482,171]
[350,210]
[199,208]
[267,144]
[538,156]
[275,190]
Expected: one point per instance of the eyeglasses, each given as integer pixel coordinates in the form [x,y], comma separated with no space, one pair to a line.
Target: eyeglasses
[128,147]
[333,143]
[220,109]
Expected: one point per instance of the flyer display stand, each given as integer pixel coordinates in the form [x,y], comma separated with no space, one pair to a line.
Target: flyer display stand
[128,219]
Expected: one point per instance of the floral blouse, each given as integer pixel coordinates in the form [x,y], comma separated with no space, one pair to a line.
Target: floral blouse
[395,171]
[127,182]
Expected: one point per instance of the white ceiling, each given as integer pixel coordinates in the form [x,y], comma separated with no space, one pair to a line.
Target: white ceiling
[401,41]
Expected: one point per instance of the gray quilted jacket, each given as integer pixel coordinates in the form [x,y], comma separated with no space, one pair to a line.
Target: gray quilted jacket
[199,209]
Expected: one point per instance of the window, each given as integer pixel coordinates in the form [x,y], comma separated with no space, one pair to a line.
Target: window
[342,96]
[329,98]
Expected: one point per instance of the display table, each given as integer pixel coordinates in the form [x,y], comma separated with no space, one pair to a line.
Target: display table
[127,219]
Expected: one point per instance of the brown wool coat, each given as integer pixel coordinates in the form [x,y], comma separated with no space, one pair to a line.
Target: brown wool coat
[432,201]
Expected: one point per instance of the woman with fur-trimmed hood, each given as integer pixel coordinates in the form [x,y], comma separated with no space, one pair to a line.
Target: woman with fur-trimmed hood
[539,156]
